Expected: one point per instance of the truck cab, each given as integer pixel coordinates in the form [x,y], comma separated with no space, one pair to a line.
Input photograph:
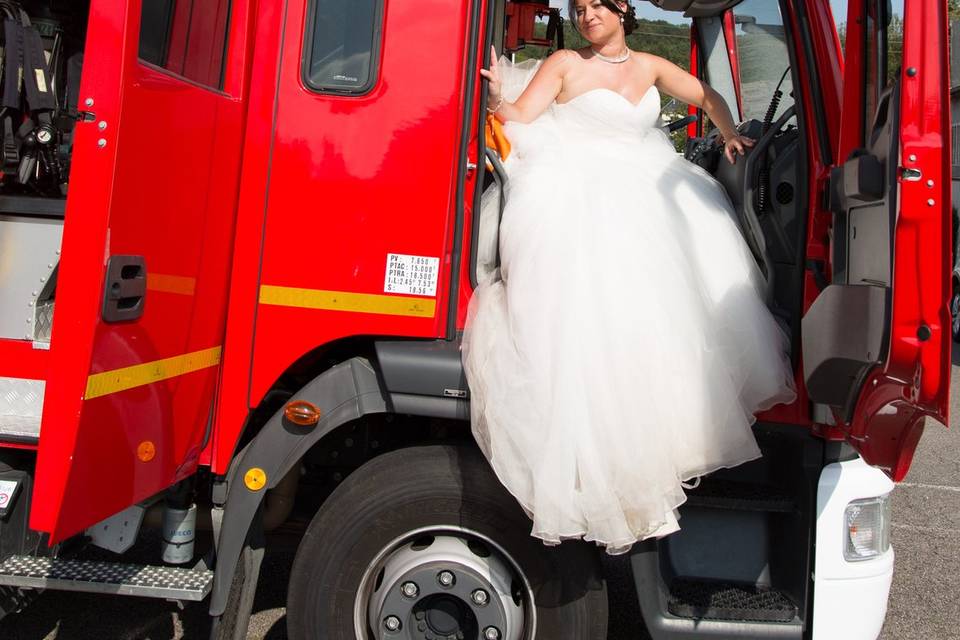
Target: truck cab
[238,243]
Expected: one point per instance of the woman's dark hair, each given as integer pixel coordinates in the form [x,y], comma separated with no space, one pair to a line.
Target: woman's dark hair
[629,15]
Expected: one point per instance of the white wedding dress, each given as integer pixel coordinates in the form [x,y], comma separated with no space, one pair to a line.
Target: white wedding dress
[626,346]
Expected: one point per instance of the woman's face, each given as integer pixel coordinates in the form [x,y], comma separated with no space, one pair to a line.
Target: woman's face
[596,22]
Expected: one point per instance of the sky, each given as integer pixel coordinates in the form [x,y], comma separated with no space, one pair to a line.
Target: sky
[647,10]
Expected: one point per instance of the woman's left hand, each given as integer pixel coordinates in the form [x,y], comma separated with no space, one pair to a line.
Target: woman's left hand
[736,144]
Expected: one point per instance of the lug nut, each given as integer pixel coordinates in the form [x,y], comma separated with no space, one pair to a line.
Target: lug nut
[480,597]
[446,579]
[410,589]
[392,623]
[491,633]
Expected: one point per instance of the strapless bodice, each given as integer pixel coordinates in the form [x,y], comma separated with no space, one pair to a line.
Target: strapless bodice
[607,106]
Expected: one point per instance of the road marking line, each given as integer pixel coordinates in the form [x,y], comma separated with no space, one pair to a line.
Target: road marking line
[920,485]
[916,527]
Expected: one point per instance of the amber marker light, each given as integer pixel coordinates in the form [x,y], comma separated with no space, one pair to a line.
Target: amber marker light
[146,451]
[255,479]
[302,413]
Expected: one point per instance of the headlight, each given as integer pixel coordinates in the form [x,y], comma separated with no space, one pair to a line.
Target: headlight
[866,528]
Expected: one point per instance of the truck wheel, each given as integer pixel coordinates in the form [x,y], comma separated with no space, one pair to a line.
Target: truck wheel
[425,543]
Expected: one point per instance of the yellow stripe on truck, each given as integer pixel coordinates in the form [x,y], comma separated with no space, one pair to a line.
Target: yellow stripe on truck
[346,301]
[138,375]
[182,285]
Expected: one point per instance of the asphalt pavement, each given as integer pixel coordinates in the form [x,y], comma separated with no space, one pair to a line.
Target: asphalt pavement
[923,601]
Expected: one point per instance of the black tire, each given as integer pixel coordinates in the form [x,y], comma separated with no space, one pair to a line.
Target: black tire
[434,486]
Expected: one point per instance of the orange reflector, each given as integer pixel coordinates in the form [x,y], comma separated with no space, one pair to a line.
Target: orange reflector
[146,451]
[255,478]
[303,413]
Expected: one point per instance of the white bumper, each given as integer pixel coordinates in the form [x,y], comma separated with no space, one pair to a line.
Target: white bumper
[849,598]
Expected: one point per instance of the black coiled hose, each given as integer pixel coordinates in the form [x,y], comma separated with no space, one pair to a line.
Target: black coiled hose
[763,189]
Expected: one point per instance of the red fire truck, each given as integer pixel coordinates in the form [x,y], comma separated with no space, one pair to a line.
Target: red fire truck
[237,242]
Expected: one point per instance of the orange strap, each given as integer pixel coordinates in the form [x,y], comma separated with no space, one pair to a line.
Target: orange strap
[495,137]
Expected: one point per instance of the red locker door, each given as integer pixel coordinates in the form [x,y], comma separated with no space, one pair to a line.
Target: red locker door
[140,305]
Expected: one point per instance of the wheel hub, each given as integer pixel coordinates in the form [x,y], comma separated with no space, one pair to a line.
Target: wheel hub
[445,587]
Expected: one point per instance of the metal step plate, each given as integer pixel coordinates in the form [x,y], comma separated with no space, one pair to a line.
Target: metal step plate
[715,600]
[718,493]
[21,405]
[106,577]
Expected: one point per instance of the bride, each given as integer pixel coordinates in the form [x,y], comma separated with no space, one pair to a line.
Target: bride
[627,345]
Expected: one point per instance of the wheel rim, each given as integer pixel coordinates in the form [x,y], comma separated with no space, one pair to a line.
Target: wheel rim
[444,583]
[955,312]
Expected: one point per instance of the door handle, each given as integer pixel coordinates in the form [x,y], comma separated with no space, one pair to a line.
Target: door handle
[125,289]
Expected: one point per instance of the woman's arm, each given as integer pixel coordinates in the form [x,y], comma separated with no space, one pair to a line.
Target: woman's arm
[542,90]
[681,85]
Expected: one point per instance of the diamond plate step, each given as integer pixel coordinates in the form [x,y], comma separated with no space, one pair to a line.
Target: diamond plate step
[21,405]
[715,600]
[106,577]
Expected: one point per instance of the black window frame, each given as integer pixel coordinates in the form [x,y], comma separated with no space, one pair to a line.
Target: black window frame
[220,87]
[375,51]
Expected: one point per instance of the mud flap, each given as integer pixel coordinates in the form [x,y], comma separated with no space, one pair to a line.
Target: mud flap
[233,623]
[343,393]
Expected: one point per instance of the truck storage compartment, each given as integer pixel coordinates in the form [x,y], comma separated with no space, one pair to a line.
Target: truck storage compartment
[42,61]
[40,65]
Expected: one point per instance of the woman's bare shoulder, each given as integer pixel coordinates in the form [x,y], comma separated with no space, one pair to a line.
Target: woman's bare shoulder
[561,61]
[564,56]
[652,60]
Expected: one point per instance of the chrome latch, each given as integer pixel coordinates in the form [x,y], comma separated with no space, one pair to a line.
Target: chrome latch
[910,175]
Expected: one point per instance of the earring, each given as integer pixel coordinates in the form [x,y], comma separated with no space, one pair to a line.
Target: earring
[621,19]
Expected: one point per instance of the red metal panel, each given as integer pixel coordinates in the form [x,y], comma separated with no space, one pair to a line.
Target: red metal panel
[18,359]
[730,38]
[694,129]
[355,178]
[830,70]
[818,166]
[916,379]
[854,97]
[465,289]
[168,194]
[233,400]
[81,266]
[827,49]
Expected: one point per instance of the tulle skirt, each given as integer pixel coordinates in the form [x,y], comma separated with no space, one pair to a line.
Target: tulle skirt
[626,346]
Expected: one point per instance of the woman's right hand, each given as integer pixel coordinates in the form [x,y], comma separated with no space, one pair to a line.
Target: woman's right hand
[492,75]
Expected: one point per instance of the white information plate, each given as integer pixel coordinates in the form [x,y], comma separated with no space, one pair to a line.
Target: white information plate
[416,275]
[7,488]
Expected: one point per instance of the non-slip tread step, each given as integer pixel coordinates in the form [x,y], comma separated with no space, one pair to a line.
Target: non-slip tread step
[106,577]
[741,496]
[19,427]
[714,600]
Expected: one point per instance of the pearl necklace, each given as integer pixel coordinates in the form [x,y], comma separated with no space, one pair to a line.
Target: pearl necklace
[617,60]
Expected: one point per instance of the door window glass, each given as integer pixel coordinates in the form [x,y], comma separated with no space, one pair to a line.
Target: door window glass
[341,45]
[763,58]
[186,37]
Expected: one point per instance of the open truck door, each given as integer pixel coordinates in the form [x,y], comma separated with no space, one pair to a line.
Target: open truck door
[876,341]
[138,319]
